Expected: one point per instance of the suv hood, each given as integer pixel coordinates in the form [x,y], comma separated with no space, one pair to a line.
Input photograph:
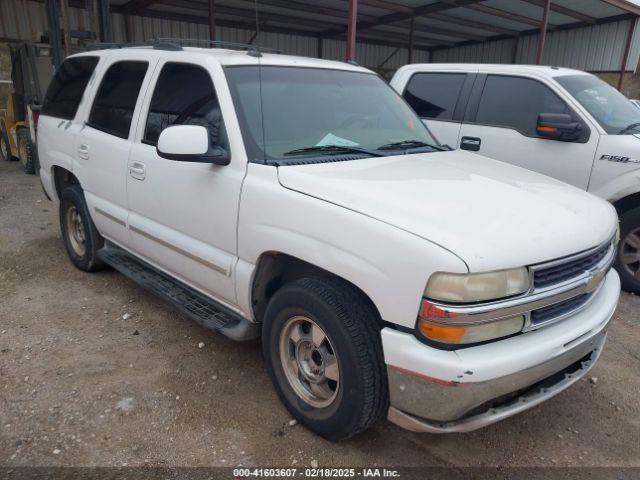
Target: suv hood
[491,214]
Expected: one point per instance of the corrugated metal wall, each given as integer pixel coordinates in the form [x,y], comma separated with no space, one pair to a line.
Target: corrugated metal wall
[597,48]
[24,19]
[500,51]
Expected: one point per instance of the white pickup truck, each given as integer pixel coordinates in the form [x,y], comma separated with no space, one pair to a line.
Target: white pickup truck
[564,123]
[302,201]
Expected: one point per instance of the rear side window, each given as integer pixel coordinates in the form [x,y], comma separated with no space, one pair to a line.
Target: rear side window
[516,102]
[184,95]
[67,87]
[115,101]
[434,95]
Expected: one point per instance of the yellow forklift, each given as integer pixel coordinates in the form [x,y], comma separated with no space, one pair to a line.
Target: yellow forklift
[31,72]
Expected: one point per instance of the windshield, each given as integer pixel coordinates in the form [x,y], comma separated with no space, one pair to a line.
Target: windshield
[320,112]
[612,110]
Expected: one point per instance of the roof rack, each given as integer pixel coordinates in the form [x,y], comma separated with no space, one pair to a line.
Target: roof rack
[253,50]
[176,44]
[115,45]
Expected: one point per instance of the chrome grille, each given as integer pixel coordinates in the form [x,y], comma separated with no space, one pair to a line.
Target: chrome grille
[542,315]
[561,272]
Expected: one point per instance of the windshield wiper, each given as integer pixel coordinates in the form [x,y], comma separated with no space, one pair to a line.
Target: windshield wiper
[409,144]
[335,149]
[629,127]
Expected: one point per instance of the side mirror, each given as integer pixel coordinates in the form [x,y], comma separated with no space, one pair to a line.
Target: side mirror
[190,143]
[558,126]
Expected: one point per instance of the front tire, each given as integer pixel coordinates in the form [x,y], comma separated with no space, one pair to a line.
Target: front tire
[322,347]
[81,239]
[628,258]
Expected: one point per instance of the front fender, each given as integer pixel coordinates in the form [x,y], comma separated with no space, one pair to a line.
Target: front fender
[390,265]
[619,187]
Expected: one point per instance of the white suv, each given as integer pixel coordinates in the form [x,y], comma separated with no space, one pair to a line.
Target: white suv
[302,201]
[565,123]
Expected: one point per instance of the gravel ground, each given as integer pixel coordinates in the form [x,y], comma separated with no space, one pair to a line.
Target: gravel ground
[96,371]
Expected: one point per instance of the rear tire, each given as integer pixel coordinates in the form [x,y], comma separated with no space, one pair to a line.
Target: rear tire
[628,257]
[5,147]
[27,152]
[322,348]
[81,239]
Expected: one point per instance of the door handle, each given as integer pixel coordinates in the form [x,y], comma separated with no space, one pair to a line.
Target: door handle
[470,143]
[137,170]
[83,151]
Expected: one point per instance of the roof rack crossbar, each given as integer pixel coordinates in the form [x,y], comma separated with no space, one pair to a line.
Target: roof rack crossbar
[116,45]
[252,49]
[176,44]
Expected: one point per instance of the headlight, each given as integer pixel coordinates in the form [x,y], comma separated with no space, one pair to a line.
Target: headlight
[477,287]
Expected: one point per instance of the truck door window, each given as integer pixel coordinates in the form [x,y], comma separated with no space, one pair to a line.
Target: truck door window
[516,102]
[184,95]
[67,87]
[434,95]
[116,99]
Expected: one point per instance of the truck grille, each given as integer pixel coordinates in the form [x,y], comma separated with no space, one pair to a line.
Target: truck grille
[572,268]
[556,310]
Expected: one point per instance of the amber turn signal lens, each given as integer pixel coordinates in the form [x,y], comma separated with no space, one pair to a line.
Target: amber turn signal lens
[441,333]
[439,325]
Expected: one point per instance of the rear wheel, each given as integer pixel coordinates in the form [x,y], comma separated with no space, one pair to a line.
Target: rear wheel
[322,347]
[26,151]
[81,239]
[628,259]
[5,148]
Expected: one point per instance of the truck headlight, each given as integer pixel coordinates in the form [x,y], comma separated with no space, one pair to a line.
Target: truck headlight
[477,287]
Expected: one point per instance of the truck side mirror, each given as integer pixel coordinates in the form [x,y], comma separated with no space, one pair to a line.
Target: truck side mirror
[558,126]
[190,143]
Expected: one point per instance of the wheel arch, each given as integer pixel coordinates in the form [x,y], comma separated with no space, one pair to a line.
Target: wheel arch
[275,269]
[62,178]
[627,203]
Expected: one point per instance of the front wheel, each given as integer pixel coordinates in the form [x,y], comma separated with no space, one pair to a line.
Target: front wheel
[322,347]
[628,259]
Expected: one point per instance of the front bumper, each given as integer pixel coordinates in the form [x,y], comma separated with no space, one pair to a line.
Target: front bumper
[457,391]
[529,398]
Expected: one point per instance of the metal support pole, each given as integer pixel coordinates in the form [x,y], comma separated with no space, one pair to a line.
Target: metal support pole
[66,27]
[319,40]
[543,31]
[53,21]
[625,55]
[212,21]
[410,51]
[351,30]
[105,21]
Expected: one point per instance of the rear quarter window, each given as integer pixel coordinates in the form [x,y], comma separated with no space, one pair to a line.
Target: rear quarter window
[67,87]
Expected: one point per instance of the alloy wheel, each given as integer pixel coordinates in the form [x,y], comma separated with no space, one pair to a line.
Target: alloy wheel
[309,361]
[630,253]
[75,231]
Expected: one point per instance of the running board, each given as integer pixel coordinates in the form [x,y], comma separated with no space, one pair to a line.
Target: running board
[202,309]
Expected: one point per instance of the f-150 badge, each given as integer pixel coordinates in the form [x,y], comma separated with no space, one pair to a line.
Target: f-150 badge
[619,159]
